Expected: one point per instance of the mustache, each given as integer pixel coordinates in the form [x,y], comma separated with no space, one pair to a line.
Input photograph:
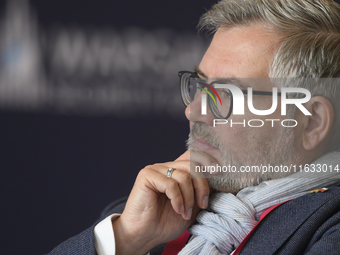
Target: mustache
[203,131]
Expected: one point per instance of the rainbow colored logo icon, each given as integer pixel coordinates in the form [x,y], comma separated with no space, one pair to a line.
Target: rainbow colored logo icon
[213,90]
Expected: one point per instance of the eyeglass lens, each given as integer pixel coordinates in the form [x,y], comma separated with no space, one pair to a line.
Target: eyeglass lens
[219,99]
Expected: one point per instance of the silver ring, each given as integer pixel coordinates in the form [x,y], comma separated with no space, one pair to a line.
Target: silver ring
[169,172]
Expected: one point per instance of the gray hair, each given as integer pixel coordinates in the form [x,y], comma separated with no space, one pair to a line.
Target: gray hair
[310,47]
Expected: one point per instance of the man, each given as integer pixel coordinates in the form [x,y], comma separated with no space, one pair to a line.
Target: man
[257,43]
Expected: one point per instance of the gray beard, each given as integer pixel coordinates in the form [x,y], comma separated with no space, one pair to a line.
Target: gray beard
[276,152]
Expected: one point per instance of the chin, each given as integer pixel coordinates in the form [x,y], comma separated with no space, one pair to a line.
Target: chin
[231,185]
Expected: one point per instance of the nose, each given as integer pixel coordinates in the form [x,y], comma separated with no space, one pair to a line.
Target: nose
[194,114]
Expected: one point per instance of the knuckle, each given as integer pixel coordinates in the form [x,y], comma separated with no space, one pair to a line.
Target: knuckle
[185,178]
[158,164]
[172,184]
[142,173]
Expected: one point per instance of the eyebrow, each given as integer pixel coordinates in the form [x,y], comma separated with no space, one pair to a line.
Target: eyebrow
[226,80]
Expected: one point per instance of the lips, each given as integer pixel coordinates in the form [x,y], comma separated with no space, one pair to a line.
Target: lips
[202,145]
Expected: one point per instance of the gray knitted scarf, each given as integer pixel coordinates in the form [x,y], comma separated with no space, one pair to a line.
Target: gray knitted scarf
[226,222]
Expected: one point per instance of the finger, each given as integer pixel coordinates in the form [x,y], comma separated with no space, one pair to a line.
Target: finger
[185,184]
[202,191]
[187,189]
[159,183]
[200,185]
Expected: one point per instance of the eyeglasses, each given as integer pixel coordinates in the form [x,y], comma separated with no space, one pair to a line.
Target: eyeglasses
[192,86]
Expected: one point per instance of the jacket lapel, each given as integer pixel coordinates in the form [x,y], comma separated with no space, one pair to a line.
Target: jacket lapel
[280,224]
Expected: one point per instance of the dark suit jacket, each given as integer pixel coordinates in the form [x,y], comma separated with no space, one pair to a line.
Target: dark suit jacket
[307,225]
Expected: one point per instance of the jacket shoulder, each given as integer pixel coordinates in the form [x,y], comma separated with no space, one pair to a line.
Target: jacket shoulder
[297,226]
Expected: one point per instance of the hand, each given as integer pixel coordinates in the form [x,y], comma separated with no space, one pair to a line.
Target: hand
[159,209]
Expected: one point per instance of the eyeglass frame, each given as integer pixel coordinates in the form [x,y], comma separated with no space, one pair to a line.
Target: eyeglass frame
[255,92]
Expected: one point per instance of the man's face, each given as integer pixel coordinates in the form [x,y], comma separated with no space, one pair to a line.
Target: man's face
[244,53]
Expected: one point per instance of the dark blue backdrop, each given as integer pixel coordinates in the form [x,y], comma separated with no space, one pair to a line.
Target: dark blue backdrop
[59,171]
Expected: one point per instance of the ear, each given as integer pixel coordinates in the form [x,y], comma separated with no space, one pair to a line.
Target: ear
[318,125]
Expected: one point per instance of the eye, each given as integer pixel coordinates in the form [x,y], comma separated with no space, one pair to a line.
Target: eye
[225,93]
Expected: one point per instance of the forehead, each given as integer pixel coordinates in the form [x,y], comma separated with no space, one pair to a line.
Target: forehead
[240,52]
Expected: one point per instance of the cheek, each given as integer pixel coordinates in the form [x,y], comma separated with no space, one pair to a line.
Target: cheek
[234,138]
[264,103]
[245,134]
[242,137]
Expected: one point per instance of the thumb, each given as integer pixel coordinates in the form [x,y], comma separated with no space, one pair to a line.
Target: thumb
[184,156]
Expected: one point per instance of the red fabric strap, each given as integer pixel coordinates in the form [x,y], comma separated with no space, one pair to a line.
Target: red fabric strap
[175,246]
